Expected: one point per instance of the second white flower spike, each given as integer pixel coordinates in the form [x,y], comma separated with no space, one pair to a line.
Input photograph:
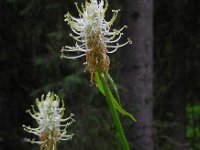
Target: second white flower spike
[52,127]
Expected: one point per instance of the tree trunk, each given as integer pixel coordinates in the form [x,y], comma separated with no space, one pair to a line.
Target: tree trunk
[178,94]
[137,71]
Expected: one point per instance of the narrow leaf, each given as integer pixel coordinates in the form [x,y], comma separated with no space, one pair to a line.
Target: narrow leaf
[116,104]
[114,87]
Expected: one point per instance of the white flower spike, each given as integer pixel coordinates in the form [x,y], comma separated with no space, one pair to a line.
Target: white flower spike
[52,127]
[93,36]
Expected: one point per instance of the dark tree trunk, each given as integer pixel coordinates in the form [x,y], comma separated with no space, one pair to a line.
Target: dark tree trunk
[137,71]
[178,94]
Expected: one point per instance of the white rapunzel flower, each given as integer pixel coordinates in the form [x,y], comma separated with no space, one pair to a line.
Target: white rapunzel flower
[51,126]
[93,35]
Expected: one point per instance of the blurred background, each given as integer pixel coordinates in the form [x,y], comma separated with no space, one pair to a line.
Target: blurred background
[158,75]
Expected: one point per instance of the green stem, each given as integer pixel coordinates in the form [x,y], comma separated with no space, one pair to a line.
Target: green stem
[114,113]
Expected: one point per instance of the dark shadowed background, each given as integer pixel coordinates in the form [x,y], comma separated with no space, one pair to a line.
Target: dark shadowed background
[158,75]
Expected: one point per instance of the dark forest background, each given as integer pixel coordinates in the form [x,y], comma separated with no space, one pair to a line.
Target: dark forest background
[158,76]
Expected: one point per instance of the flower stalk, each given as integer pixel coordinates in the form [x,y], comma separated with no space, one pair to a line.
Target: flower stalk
[113,110]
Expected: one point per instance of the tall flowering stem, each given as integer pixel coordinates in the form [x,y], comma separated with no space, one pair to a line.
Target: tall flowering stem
[105,89]
[52,127]
[95,40]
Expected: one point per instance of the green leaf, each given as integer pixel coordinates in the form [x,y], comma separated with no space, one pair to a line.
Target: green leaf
[114,87]
[99,84]
[103,83]
[116,104]
[120,109]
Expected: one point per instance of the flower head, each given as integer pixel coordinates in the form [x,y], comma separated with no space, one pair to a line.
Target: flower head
[93,36]
[52,127]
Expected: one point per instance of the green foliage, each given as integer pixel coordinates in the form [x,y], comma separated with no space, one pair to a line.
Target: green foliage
[193,128]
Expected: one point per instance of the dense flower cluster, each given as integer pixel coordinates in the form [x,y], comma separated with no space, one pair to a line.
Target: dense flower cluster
[52,127]
[93,35]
